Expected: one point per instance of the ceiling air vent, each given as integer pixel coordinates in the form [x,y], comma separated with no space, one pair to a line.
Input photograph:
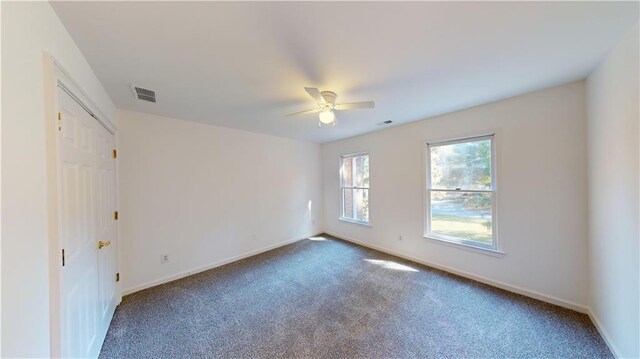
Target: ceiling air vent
[143,94]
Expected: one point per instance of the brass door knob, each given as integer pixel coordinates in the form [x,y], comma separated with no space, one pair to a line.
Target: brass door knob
[103,244]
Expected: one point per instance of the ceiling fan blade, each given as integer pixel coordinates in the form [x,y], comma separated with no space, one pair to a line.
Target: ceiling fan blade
[355,105]
[315,93]
[303,112]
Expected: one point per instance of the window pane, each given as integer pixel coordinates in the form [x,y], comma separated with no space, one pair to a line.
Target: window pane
[461,165]
[464,215]
[361,171]
[355,171]
[354,175]
[361,204]
[355,204]
[347,203]
[346,172]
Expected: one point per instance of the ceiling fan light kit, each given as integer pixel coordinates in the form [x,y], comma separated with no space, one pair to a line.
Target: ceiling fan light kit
[327,106]
[327,117]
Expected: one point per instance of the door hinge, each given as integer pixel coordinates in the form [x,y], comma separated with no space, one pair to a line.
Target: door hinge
[115,215]
[115,153]
[59,119]
[117,277]
[63,257]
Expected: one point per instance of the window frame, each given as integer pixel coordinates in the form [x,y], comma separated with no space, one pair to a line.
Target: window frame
[341,188]
[465,243]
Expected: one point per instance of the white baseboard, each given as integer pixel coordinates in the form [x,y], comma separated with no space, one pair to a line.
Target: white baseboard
[491,282]
[173,277]
[604,334]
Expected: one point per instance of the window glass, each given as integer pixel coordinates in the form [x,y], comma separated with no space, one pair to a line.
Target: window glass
[460,214]
[461,192]
[464,165]
[354,174]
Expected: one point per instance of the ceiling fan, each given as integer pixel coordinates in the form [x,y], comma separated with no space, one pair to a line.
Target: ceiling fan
[326,101]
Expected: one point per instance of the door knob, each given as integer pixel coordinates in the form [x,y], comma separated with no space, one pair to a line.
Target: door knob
[103,244]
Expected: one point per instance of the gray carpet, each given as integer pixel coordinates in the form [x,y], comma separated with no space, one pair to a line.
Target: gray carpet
[332,299]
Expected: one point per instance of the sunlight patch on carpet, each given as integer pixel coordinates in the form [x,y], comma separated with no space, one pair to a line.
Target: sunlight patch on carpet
[391,265]
[317,239]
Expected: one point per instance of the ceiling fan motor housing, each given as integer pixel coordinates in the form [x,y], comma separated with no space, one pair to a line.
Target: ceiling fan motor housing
[329,97]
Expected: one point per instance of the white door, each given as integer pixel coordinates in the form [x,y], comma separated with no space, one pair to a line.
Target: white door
[106,222]
[87,205]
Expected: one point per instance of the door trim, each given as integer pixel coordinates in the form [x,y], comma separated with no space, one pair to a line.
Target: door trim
[54,75]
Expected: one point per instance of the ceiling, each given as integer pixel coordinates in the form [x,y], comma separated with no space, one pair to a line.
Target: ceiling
[245,65]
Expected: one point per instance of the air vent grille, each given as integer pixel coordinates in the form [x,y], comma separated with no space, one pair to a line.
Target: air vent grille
[144,94]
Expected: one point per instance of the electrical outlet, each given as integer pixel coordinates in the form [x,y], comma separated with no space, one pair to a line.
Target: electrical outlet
[399,237]
[255,237]
[164,258]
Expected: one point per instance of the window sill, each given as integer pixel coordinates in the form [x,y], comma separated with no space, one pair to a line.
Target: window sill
[486,251]
[365,224]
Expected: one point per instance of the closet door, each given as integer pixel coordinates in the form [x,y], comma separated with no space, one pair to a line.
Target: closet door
[106,222]
[87,196]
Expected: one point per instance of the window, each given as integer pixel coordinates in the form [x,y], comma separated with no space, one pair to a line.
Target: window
[461,192]
[354,188]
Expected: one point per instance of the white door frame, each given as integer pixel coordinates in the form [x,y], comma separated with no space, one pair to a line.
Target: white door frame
[54,75]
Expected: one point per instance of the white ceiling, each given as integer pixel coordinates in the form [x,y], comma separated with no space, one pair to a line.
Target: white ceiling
[244,65]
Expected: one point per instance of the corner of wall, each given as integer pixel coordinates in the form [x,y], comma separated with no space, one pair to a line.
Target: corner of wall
[613,154]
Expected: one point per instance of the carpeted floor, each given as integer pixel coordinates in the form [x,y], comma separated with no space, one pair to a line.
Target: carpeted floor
[332,299]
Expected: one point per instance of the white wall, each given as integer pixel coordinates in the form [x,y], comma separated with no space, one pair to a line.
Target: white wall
[614,182]
[199,192]
[28,30]
[541,177]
